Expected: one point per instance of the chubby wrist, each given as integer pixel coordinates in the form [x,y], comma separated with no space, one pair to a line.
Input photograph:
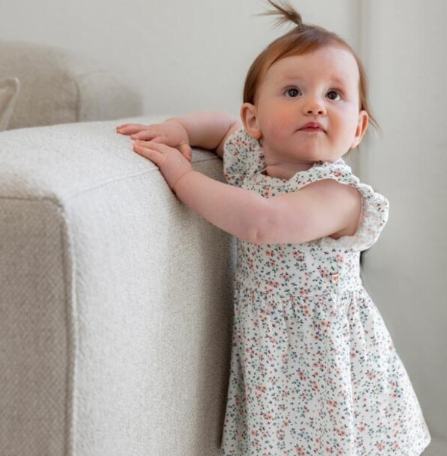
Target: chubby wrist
[175,189]
[178,121]
[174,119]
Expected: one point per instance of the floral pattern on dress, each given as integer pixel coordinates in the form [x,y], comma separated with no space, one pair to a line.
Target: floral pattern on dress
[314,371]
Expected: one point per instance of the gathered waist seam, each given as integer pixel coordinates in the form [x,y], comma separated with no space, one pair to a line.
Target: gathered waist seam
[272,287]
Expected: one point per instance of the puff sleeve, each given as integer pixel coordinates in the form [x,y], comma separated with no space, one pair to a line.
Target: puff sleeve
[375,211]
[241,157]
[375,207]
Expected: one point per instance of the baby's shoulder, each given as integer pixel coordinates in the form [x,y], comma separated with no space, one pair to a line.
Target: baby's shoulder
[335,192]
[345,199]
[242,157]
[235,129]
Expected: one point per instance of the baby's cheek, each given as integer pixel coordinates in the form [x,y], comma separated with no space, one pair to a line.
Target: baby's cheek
[351,128]
[281,123]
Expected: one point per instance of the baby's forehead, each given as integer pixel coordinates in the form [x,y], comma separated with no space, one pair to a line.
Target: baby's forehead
[334,63]
[338,77]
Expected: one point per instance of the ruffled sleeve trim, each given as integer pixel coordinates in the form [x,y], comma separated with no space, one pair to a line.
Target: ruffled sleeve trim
[242,157]
[375,207]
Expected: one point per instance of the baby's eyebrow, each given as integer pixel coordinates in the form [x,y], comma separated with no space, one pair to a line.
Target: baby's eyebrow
[338,80]
[286,77]
[289,76]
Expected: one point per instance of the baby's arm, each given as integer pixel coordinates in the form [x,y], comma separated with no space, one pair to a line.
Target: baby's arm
[205,129]
[323,208]
[208,129]
[235,210]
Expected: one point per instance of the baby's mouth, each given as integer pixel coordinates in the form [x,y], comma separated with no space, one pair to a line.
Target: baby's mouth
[312,126]
[312,129]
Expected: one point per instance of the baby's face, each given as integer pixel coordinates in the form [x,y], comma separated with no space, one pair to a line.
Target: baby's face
[320,90]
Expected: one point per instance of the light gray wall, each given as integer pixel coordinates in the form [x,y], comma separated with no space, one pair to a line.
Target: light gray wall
[405,48]
[184,55]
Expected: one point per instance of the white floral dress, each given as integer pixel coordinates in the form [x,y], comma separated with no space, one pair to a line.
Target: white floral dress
[314,371]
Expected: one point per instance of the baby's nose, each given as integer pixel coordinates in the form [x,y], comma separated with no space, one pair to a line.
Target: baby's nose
[315,111]
[314,107]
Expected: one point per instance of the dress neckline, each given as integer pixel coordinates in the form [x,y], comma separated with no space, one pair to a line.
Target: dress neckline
[280,179]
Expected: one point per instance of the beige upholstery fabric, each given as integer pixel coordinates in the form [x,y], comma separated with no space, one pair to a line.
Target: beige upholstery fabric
[9,91]
[58,86]
[115,301]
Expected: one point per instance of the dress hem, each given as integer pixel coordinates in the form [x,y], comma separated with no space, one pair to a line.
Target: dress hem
[418,450]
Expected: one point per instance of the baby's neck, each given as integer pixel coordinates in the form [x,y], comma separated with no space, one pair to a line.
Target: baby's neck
[283,172]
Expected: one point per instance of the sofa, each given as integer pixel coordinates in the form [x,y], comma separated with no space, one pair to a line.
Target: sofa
[115,298]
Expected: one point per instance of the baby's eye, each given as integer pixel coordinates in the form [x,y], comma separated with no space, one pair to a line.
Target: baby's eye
[333,95]
[292,93]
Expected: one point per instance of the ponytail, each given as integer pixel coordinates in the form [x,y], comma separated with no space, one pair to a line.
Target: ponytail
[286,13]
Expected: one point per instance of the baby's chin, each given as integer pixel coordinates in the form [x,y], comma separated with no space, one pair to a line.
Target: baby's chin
[302,152]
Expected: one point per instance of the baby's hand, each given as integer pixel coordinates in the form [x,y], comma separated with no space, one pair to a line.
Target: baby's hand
[171,133]
[172,164]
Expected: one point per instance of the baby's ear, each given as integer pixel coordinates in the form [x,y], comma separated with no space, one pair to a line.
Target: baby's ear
[362,126]
[250,120]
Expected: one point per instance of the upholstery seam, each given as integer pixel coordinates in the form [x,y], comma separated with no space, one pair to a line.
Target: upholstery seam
[75,193]
[72,337]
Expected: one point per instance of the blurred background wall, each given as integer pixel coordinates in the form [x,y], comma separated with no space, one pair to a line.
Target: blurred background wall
[184,55]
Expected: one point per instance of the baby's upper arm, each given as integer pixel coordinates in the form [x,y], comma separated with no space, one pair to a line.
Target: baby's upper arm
[237,125]
[317,210]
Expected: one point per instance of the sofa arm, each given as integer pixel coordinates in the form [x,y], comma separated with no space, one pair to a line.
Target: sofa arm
[116,301]
[59,86]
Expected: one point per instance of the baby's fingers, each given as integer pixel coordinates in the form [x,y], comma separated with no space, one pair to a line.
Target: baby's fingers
[149,152]
[185,150]
[129,129]
[160,141]
[147,135]
[155,145]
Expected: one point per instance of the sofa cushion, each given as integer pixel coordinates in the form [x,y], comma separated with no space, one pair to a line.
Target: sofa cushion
[58,86]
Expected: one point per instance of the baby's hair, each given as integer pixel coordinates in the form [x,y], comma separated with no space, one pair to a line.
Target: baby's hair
[302,39]
[286,14]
